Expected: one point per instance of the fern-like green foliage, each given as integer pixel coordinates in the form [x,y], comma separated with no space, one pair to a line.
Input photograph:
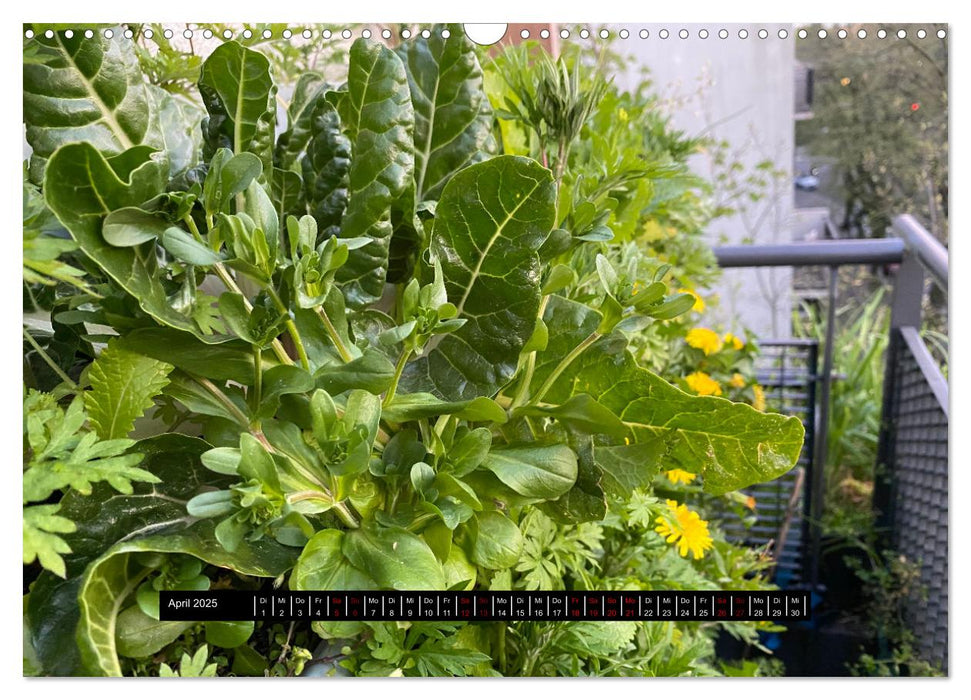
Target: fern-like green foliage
[123,386]
[60,454]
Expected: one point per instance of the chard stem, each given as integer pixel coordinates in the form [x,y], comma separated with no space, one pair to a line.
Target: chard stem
[564,363]
[399,368]
[335,338]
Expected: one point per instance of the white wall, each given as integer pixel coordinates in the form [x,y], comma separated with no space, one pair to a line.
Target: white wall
[739,90]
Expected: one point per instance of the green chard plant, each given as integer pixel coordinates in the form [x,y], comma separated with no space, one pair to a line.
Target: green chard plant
[381,345]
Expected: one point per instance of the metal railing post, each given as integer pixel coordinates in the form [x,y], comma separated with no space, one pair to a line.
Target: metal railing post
[905,310]
[818,484]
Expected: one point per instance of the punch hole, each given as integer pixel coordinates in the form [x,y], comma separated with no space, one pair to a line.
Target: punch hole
[484,34]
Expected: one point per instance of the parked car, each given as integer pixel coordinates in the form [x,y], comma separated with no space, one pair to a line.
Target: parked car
[807,182]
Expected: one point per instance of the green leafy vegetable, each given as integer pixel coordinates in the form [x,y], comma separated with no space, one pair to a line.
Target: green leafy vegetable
[123,385]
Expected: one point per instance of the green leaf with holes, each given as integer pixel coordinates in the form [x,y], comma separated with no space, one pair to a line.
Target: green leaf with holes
[731,445]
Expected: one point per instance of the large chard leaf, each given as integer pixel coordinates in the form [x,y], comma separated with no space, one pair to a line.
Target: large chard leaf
[239,94]
[78,89]
[151,518]
[179,132]
[104,518]
[291,144]
[491,220]
[110,580]
[326,165]
[453,118]
[123,386]
[82,188]
[731,445]
[377,116]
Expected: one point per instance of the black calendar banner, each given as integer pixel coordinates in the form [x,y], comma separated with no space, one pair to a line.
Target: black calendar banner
[486,606]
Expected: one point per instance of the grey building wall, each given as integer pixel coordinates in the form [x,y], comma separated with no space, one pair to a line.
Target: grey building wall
[741,91]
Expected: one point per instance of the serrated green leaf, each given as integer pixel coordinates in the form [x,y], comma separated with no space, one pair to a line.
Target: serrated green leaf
[105,517]
[491,219]
[42,527]
[63,456]
[731,445]
[123,386]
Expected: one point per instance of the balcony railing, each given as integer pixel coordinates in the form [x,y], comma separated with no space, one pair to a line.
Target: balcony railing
[911,489]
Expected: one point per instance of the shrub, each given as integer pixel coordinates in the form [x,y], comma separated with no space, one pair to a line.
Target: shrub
[374,360]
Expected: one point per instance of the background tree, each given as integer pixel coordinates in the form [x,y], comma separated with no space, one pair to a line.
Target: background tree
[880,111]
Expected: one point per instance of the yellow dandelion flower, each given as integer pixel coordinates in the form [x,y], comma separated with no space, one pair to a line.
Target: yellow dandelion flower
[687,529]
[680,476]
[750,502]
[737,381]
[699,304]
[704,339]
[622,114]
[703,385]
[758,400]
[734,341]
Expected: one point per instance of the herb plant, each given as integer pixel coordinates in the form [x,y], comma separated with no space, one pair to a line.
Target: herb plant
[379,345]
